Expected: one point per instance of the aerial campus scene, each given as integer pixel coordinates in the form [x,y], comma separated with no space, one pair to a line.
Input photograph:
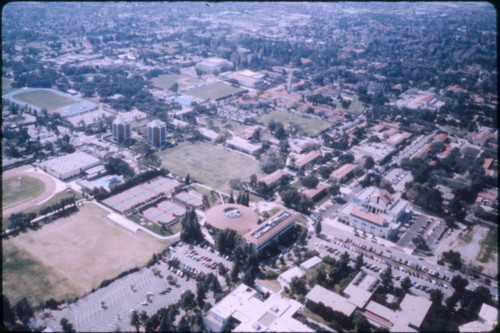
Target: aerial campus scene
[249,167]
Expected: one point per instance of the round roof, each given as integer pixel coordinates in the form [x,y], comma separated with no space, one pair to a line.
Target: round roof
[239,218]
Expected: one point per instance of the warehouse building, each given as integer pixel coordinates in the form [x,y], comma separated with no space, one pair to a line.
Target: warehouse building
[68,166]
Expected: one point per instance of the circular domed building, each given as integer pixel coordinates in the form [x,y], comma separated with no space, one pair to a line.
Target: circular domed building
[239,218]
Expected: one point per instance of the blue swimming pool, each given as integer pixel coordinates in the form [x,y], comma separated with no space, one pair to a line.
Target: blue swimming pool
[182,101]
[104,181]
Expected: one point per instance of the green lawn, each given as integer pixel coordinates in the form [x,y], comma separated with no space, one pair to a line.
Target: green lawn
[488,245]
[44,99]
[22,272]
[356,107]
[209,164]
[307,126]
[15,190]
[72,255]
[6,86]
[166,81]
[56,198]
[155,227]
[213,91]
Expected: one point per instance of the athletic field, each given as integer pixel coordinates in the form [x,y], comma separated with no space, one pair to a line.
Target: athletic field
[166,81]
[356,107]
[72,255]
[209,164]
[52,100]
[307,126]
[18,189]
[23,189]
[213,91]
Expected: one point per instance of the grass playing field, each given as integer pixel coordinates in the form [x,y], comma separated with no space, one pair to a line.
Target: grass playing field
[44,99]
[213,91]
[15,190]
[209,164]
[72,255]
[166,81]
[307,126]
[356,107]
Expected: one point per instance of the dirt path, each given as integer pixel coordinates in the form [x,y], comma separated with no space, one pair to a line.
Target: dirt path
[49,183]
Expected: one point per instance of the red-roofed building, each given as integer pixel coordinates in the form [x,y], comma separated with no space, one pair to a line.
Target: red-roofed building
[487,198]
[344,172]
[274,177]
[447,151]
[316,193]
[307,160]
[441,137]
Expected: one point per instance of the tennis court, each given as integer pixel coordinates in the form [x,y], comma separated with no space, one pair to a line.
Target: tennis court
[125,200]
[159,216]
[190,198]
[172,207]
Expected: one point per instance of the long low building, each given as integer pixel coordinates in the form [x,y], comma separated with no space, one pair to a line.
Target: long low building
[270,230]
[68,166]
[319,294]
[243,145]
[342,173]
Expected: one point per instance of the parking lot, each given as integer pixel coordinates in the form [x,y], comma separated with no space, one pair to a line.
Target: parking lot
[373,263]
[119,298]
[201,259]
[429,228]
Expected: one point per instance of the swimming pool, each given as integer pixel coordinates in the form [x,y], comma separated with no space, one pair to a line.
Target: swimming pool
[105,181]
[183,101]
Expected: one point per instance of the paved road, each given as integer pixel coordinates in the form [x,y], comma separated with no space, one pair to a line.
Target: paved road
[330,228]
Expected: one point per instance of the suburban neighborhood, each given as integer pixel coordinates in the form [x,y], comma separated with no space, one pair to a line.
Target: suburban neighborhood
[248,167]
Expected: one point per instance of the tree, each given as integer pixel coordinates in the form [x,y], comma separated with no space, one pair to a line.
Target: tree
[7,311]
[215,286]
[358,263]
[436,297]
[24,310]
[187,301]
[317,228]
[253,181]
[249,278]
[235,270]
[458,283]
[206,202]
[271,162]
[310,181]
[183,325]
[200,294]
[135,321]
[302,239]
[406,284]
[174,88]
[66,325]
[454,258]
[226,240]
[119,166]
[231,198]
[191,228]
[361,323]
[298,286]
[386,279]
[187,180]
[369,162]
[290,197]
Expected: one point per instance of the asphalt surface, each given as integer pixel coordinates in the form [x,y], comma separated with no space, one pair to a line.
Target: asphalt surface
[397,258]
[130,293]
